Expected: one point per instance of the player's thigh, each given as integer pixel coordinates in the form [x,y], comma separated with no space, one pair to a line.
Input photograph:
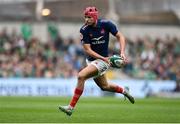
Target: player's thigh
[101,81]
[88,72]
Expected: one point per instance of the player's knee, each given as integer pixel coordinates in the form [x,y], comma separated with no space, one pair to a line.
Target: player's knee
[81,77]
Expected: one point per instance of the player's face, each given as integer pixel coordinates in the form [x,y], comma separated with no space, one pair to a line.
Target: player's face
[89,20]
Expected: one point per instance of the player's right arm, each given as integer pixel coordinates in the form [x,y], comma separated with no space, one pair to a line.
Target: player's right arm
[90,52]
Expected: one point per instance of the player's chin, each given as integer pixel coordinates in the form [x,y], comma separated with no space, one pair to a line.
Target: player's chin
[89,23]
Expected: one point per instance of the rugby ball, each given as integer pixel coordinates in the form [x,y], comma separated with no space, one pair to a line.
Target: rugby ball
[116,61]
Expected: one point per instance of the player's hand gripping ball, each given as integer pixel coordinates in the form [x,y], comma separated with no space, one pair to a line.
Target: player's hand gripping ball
[116,61]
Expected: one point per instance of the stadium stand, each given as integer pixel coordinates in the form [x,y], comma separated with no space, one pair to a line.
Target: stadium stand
[150,59]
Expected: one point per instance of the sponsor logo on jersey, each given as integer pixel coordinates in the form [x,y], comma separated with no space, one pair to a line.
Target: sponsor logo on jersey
[98,40]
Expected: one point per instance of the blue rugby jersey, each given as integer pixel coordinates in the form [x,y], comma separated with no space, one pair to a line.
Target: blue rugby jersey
[98,37]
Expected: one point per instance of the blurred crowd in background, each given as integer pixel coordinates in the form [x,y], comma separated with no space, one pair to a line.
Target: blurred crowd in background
[22,55]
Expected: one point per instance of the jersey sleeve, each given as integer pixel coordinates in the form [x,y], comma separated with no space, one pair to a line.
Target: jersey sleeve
[112,28]
[84,36]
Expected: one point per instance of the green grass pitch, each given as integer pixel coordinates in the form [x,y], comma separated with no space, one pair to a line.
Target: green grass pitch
[88,110]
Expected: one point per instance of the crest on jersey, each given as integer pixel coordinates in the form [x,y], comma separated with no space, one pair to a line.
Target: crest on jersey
[90,34]
[102,31]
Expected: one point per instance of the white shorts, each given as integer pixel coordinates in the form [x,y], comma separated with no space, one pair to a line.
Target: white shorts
[101,65]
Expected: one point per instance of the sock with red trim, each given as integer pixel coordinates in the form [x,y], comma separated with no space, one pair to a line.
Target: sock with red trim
[77,94]
[119,89]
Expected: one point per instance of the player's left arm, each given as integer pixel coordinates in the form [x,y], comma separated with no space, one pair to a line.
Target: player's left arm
[121,39]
